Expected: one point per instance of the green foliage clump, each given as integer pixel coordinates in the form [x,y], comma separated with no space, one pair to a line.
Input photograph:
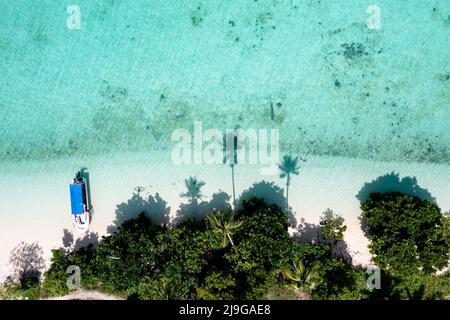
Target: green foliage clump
[27,289]
[405,232]
[333,226]
[123,259]
[263,245]
[412,286]
[409,240]
[341,281]
[218,285]
[55,277]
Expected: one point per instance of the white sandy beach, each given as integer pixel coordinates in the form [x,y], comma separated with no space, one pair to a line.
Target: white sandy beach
[39,191]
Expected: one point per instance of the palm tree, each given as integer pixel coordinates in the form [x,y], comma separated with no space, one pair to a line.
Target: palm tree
[288,167]
[223,222]
[193,187]
[305,279]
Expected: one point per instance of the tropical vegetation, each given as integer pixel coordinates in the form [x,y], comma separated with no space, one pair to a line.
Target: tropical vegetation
[248,253]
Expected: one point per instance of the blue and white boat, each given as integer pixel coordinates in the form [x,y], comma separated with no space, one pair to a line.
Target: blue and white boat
[80,204]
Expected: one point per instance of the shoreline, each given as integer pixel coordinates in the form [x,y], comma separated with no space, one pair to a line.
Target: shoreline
[38,206]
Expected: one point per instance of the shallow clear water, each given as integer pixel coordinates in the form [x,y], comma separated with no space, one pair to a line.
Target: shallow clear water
[137,70]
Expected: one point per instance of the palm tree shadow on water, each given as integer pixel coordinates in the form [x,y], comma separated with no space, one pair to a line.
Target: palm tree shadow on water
[391,182]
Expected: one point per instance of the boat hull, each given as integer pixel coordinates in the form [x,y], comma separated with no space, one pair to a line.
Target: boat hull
[81,222]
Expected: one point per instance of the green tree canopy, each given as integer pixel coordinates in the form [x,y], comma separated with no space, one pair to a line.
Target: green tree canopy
[405,232]
[333,226]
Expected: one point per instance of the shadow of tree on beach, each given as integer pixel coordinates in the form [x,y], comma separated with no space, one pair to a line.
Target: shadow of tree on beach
[199,211]
[154,207]
[91,238]
[195,209]
[313,233]
[26,262]
[194,194]
[391,182]
[70,244]
[193,190]
[307,232]
[67,238]
[271,194]
[341,251]
[220,200]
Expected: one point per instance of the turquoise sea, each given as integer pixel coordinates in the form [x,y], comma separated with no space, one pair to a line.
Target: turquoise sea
[137,70]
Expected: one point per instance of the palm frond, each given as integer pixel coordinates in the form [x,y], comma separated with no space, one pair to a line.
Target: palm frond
[289,273]
[304,278]
[223,222]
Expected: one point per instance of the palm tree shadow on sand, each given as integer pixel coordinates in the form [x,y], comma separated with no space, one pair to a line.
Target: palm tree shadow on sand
[196,209]
[154,207]
[391,182]
[271,194]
